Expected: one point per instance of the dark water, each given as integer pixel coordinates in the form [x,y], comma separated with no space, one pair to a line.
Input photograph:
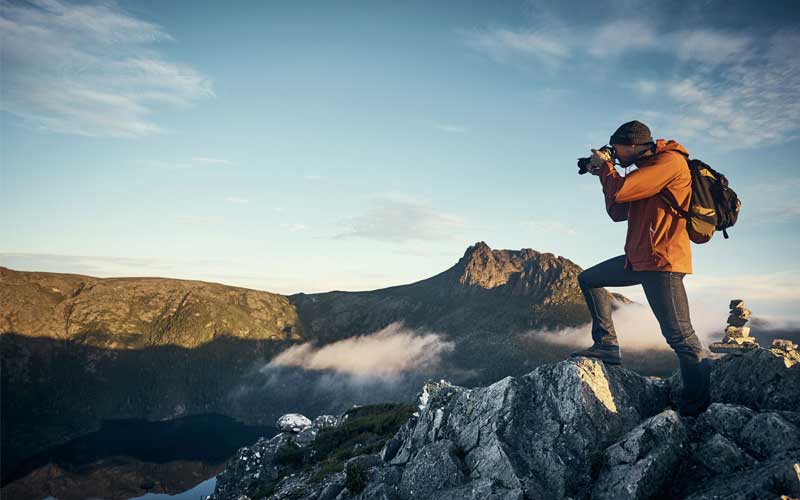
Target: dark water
[134,458]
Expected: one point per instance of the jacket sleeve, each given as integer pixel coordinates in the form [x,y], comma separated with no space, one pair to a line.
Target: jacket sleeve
[617,211]
[639,184]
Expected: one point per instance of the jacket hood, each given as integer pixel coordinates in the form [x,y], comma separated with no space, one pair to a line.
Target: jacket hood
[662,145]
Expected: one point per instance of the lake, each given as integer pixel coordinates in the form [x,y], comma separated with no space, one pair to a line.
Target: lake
[135,458]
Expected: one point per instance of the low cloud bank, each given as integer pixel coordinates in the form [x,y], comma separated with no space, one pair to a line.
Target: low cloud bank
[388,365]
[388,352]
[638,330]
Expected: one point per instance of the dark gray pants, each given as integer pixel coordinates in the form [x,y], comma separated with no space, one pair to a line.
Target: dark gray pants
[667,298]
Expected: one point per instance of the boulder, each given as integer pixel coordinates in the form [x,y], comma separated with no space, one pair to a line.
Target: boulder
[534,434]
[638,466]
[767,480]
[326,422]
[293,422]
[720,455]
[761,379]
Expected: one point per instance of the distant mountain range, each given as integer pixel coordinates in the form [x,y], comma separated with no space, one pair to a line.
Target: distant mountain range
[77,350]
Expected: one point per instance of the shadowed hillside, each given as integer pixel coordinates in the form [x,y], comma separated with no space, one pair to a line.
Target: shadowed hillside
[77,350]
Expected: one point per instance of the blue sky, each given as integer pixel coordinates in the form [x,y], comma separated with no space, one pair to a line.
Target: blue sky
[357,145]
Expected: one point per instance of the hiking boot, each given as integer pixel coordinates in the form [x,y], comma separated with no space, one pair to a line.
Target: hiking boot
[607,355]
[699,402]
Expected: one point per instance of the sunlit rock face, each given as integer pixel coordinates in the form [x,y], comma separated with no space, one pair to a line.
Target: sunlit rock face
[535,434]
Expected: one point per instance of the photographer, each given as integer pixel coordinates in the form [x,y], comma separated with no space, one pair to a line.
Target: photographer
[657,252]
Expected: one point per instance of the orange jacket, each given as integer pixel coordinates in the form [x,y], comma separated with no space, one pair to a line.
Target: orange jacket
[657,239]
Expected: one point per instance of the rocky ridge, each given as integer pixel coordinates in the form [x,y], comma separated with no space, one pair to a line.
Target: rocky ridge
[576,429]
[131,313]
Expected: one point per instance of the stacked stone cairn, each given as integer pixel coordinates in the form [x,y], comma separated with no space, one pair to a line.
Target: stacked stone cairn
[784,345]
[737,336]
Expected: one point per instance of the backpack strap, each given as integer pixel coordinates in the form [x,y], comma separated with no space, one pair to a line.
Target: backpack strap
[669,198]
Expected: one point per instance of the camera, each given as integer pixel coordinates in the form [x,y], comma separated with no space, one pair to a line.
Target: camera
[584,163]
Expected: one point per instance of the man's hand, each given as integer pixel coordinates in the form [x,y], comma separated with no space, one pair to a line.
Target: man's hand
[598,159]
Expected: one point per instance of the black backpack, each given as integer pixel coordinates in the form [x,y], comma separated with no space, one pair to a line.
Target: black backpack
[714,205]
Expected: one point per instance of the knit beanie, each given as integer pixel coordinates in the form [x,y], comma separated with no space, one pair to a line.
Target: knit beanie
[634,132]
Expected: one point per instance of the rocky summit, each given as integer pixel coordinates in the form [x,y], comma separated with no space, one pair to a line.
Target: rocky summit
[576,429]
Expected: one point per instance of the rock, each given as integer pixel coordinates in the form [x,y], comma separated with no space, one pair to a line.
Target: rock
[736,320]
[333,488]
[762,379]
[575,430]
[767,434]
[434,469]
[535,434]
[741,312]
[642,462]
[306,436]
[382,484]
[720,455]
[783,344]
[725,419]
[735,348]
[325,422]
[736,304]
[293,422]
[251,464]
[766,480]
[356,471]
[737,331]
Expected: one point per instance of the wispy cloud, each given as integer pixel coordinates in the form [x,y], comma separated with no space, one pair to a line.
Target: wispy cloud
[293,227]
[197,161]
[313,177]
[707,46]
[396,219]
[237,200]
[452,129]
[89,69]
[739,89]
[504,45]
[616,37]
[785,212]
[211,161]
[199,220]
[643,87]
[755,102]
[100,265]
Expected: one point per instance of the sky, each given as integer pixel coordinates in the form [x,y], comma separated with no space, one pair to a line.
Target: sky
[316,146]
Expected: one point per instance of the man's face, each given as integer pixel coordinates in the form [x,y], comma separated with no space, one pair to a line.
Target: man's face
[625,153]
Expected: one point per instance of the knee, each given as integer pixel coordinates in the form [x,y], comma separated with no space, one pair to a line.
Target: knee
[586,281]
[583,280]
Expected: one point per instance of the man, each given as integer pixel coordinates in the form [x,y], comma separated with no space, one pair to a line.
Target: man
[657,253]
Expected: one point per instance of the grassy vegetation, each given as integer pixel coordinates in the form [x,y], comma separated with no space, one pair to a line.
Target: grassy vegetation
[365,431]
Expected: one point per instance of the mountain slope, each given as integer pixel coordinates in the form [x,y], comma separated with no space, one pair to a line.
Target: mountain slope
[77,349]
[486,291]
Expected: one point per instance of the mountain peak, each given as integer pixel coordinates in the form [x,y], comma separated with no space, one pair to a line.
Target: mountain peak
[523,272]
[476,250]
